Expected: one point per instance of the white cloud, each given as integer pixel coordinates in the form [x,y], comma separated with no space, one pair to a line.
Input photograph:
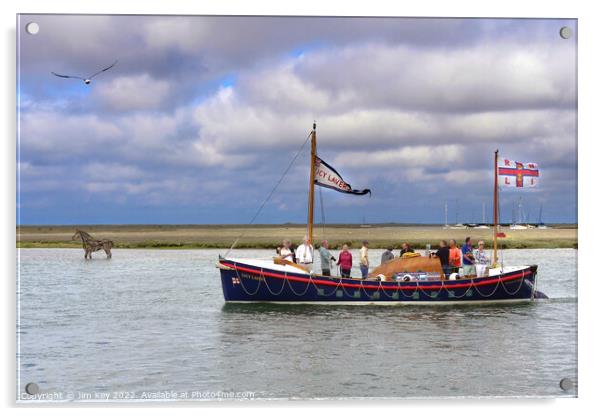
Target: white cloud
[137,92]
[496,76]
[404,157]
[282,89]
[59,135]
[185,34]
[392,93]
[112,171]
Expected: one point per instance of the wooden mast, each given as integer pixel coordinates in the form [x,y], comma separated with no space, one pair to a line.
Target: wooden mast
[312,177]
[495,211]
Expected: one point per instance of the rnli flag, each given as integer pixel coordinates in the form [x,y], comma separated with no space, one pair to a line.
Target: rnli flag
[518,174]
[328,177]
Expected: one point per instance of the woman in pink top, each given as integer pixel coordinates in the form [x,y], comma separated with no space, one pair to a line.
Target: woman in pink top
[345,261]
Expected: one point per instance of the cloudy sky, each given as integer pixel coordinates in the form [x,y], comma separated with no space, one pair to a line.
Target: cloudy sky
[201,116]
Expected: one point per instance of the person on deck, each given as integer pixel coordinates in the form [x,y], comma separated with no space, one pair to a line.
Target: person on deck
[364,262]
[325,258]
[305,254]
[443,254]
[405,248]
[455,257]
[345,261]
[285,251]
[387,256]
[481,260]
[468,261]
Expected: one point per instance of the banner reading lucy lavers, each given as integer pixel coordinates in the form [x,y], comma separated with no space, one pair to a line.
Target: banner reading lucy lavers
[327,177]
[518,174]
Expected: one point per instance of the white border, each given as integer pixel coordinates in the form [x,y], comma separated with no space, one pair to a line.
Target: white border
[590,33]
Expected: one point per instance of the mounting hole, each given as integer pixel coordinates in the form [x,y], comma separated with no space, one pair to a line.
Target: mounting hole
[32,388]
[565,32]
[32,28]
[566,384]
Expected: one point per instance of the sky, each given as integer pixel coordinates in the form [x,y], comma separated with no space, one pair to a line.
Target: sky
[202,115]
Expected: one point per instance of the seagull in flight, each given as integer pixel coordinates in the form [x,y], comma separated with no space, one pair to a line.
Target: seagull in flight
[89,79]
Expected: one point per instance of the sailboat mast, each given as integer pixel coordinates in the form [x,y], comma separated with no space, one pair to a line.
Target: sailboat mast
[495,210]
[446,223]
[457,212]
[312,177]
[483,219]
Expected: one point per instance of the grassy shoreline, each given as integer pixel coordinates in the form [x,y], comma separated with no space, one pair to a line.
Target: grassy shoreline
[269,236]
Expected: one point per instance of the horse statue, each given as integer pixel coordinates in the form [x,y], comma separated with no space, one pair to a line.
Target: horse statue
[90,244]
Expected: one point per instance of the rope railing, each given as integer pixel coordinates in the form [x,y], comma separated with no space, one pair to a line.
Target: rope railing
[365,289]
[322,212]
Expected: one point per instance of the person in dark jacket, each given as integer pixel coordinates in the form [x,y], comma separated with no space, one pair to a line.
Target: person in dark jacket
[405,248]
[443,254]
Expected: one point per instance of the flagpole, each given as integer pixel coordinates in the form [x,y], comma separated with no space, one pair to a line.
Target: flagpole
[312,177]
[495,210]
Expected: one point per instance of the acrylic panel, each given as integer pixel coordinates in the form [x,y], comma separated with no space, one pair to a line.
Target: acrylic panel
[273,207]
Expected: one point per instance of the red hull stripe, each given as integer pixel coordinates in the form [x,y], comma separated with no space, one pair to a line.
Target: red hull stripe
[358,286]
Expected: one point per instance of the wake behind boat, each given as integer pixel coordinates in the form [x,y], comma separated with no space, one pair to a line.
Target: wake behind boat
[414,280]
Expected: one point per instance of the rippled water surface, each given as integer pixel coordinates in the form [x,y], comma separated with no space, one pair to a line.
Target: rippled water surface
[149,323]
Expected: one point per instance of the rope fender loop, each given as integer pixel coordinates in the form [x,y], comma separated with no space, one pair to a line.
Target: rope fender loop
[268,286]
[240,279]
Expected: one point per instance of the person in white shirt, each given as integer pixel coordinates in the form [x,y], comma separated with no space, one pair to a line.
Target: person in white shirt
[285,252]
[364,263]
[481,260]
[305,254]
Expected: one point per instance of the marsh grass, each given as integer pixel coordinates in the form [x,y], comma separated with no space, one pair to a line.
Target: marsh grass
[269,236]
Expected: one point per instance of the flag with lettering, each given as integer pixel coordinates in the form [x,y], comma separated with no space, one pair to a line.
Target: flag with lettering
[328,177]
[517,174]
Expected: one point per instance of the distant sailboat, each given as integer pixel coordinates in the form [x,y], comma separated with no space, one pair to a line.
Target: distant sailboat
[540,223]
[459,225]
[518,227]
[446,222]
[364,225]
[483,224]
[518,224]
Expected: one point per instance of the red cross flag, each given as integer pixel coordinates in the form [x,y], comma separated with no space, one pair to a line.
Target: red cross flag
[518,174]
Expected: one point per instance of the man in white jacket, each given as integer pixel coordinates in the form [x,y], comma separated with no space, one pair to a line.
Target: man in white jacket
[305,254]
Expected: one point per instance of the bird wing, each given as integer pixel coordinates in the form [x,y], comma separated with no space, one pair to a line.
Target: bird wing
[66,76]
[103,70]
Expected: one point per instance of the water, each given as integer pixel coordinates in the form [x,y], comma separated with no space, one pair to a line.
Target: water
[153,323]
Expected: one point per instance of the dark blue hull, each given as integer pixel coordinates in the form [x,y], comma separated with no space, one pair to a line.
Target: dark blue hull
[242,282]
